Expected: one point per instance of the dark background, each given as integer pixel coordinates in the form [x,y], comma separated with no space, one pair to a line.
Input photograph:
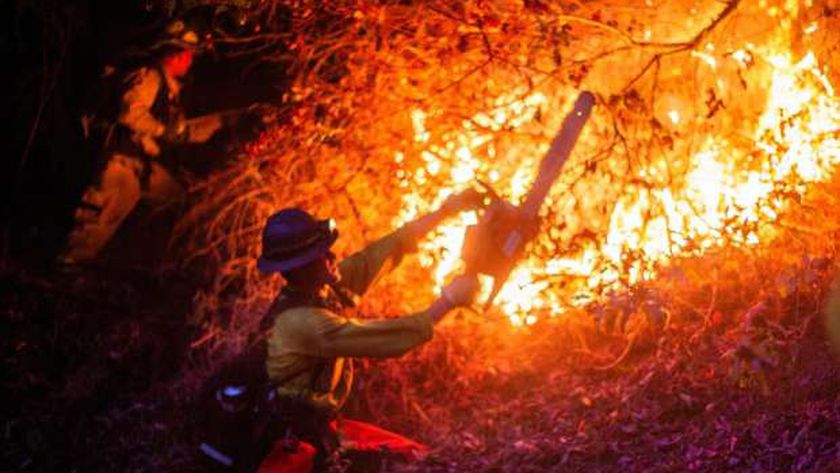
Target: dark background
[55,52]
[88,355]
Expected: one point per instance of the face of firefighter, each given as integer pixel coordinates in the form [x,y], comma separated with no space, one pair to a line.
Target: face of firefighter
[316,274]
[324,269]
[178,64]
[331,268]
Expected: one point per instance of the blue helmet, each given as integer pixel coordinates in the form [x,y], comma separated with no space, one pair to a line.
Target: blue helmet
[293,238]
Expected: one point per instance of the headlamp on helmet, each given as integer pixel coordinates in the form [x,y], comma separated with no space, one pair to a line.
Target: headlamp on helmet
[178,35]
[293,238]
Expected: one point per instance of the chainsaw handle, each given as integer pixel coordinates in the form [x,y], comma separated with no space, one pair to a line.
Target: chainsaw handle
[489,191]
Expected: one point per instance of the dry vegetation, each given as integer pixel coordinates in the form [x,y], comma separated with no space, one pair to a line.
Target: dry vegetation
[363,69]
[633,379]
[719,361]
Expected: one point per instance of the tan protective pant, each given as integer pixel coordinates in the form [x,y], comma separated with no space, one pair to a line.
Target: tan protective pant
[115,195]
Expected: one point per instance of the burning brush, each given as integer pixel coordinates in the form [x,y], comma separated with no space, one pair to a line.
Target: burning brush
[713,189]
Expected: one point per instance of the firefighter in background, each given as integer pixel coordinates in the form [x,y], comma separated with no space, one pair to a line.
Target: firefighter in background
[149,119]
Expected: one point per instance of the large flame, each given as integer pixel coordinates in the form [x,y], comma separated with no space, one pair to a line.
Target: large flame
[730,193]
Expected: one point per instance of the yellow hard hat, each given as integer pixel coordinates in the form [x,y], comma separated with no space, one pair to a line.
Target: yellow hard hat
[179,35]
[178,30]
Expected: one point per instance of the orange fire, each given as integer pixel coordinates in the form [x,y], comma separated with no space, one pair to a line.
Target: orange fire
[729,193]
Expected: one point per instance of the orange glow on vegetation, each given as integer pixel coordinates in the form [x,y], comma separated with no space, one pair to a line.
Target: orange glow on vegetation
[731,193]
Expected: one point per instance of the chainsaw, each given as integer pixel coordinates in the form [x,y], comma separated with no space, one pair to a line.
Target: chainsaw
[495,244]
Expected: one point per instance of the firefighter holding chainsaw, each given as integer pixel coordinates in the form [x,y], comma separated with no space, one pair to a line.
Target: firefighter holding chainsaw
[132,140]
[309,345]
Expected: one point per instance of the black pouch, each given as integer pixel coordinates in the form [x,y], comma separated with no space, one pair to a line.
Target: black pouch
[241,424]
[238,413]
[234,422]
[241,417]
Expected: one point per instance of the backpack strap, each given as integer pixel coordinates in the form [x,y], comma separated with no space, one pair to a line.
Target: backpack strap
[336,300]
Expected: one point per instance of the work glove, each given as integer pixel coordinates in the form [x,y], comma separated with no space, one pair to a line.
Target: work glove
[248,120]
[266,113]
[176,130]
[469,199]
[254,114]
[465,200]
[461,291]
[203,128]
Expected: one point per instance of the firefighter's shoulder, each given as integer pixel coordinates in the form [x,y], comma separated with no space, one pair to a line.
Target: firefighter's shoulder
[144,77]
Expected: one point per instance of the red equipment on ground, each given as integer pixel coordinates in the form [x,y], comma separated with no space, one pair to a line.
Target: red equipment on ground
[353,435]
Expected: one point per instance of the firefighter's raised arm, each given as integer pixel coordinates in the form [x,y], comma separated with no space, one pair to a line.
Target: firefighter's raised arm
[361,269]
[469,199]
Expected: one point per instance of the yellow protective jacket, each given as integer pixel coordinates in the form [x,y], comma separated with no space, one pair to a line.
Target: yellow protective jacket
[151,103]
[138,102]
[304,339]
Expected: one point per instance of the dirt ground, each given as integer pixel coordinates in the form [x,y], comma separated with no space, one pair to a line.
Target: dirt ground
[99,376]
